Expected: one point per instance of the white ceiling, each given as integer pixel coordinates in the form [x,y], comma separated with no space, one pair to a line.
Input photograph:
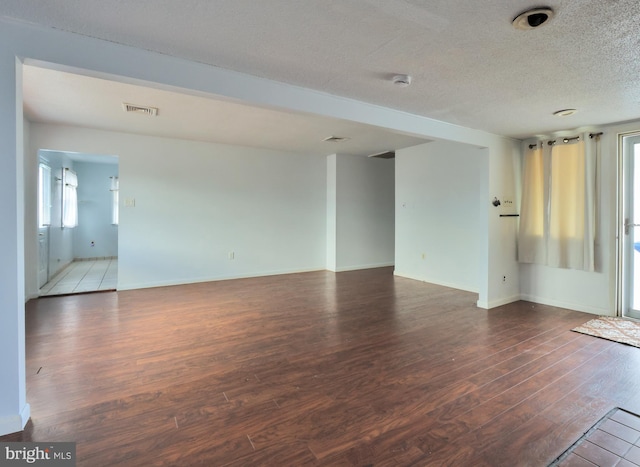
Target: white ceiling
[71,99]
[469,65]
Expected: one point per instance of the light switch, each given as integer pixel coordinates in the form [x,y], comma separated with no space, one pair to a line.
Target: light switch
[507,205]
[129,202]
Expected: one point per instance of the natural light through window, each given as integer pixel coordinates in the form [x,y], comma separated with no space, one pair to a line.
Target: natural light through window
[69,198]
[44,195]
[533,193]
[115,209]
[567,192]
[557,226]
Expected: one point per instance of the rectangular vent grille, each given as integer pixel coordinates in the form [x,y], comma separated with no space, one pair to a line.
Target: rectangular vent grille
[139,109]
[335,139]
[384,155]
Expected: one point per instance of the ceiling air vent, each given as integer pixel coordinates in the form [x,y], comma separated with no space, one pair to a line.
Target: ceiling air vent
[384,155]
[335,139]
[139,109]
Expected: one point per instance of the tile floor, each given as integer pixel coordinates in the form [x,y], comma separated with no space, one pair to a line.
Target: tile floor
[82,277]
[614,441]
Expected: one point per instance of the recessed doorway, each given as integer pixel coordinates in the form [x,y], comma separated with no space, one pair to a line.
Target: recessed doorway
[78,219]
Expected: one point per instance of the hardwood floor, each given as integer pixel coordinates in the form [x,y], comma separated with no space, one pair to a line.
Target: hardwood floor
[355,368]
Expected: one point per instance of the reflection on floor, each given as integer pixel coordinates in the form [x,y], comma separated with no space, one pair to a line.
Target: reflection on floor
[83,276]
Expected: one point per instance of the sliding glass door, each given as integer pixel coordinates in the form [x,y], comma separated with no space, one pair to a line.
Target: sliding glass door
[630,228]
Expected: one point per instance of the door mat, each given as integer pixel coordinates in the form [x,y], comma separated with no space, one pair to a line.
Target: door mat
[621,330]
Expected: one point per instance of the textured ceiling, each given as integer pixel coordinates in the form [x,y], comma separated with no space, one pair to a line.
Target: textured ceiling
[469,65]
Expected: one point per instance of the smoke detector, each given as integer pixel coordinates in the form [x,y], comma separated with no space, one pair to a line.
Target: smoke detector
[401,80]
[139,109]
[533,18]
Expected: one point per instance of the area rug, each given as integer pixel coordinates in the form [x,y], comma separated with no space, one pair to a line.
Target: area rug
[620,330]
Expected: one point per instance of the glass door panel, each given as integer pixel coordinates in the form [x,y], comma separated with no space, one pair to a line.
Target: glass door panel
[631,227]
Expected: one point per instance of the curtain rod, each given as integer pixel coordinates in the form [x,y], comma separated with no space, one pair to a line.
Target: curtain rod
[566,140]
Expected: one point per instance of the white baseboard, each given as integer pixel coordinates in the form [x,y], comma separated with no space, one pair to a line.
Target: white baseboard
[451,285]
[363,266]
[496,303]
[568,305]
[196,280]
[15,423]
[30,296]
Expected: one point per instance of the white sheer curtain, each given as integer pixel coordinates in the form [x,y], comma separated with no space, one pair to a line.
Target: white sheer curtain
[532,236]
[69,198]
[557,223]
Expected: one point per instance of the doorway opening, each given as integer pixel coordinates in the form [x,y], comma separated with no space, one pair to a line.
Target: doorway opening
[77,223]
[629,231]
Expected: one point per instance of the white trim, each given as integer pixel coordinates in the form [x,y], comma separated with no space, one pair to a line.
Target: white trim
[568,305]
[194,280]
[466,288]
[496,303]
[15,423]
[362,266]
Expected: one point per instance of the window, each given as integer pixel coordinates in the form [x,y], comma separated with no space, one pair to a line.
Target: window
[44,195]
[115,209]
[557,223]
[531,242]
[69,198]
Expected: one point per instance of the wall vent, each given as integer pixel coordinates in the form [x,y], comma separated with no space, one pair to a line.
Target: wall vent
[384,155]
[140,109]
[335,139]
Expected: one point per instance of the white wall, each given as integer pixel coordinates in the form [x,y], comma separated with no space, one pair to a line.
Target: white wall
[14,410]
[195,203]
[30,218]
[438,205]
[500,179]
[95,236]
[332,213]
[72,52]
[364,212]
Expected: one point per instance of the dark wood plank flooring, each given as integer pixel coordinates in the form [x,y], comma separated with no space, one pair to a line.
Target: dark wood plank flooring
[349,369]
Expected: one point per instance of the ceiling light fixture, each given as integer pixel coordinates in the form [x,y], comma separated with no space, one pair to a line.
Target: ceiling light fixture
[401,80]
[533,18]
[564,112]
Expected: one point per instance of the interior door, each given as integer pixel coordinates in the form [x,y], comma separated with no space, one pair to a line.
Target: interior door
[631,226]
